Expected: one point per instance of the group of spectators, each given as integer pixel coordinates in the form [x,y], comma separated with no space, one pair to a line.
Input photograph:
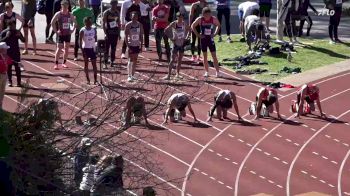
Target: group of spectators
[96,176]
[169,18]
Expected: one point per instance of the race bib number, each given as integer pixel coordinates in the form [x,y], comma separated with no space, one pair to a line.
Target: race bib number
[65,25]
[113,24]
[339,2]
[180,35]
[207,31]
[135,37]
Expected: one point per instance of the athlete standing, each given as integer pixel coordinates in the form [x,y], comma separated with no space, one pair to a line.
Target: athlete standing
[134,40]
[111,28]
[180,32]
[61,24]
[209,26]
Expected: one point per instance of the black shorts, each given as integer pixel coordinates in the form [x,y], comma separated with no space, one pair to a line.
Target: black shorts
[265,9]
[89,53]
[134,49]
[177,49]
[206,43]
[26,21]
[307,99]
[63,39]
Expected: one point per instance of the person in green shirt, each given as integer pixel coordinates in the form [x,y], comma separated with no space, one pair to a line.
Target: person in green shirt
[80,13]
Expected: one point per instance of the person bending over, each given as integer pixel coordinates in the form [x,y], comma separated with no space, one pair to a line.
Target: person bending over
[245,9]
[135,109]
[223,101]
[178,31]
[255,30]
[177,104]
[265,99]
[310,94]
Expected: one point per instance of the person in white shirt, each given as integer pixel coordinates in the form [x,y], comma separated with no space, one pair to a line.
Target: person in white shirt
[88,37]
[177,104]
[255,30]
[245,9]
[88,179]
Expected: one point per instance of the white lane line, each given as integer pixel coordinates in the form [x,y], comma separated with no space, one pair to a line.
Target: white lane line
[337,140]
[229,187]
[258,149]
[262,177]
[220,155]
[286,163]
[231,135]
[241,140]
[253,172]
[270,181]
[304,125]
[313,129]
[137,165]
[277,158]
[227,159]
[288,140]
[196,169]
[235,163]
[211,150]
[324,157]
[204,173]
[268,154]
[211,177]
[265,129]
[303,147]
[335,162]
[320,180]
[296,144]
[250,145]
[346,193]
[278,135]
[340,173]
[220,182]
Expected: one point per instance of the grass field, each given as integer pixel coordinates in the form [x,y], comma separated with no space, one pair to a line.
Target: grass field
[314,53]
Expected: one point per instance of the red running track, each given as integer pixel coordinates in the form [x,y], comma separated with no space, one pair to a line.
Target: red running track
[296,156]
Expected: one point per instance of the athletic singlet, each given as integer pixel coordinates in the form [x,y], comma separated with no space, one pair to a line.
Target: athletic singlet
[89,37]
[180,100]
[266,92]
[112,25]
[198,10]
[312,95]
[64,23]
[179,34]
[134,32]
[226,94]
[207,26]
[7,19]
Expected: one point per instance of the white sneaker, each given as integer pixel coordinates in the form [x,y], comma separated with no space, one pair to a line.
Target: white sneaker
[218,75]
[331,42]
[130,79]
[228,40]
[206,74]
[147,49]
[133,78]
[123,56]
[75,59]
[21,67]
